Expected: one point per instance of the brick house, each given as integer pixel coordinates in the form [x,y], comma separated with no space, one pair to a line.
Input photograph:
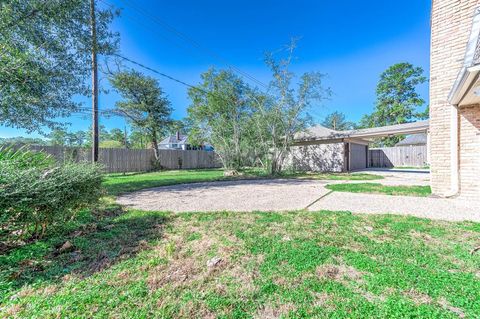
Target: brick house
[455,98]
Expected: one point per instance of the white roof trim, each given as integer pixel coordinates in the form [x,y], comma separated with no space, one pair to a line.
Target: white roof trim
[469,73]
[384,131]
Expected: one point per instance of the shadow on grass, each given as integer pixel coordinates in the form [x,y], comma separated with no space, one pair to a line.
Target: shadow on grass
[97,242]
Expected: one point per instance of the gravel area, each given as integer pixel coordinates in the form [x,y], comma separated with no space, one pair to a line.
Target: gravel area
[295,194]
[245,196]
[425,207]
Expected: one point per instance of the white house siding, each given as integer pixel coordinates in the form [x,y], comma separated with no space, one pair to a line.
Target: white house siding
[317,157]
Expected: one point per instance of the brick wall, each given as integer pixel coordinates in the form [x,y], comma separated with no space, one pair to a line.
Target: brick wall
[451,23]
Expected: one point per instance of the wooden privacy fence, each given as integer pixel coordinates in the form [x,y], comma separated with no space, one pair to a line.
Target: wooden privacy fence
[117,160]
[415,156]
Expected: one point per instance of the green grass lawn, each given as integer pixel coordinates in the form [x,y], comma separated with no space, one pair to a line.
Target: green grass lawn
[122,183]
[377,188]
[134,264]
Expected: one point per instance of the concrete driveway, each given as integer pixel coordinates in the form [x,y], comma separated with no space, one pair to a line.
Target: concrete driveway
[399,176]
[296,194]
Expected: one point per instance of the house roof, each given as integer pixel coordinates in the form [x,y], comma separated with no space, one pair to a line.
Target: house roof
[414,139]
[172,139]
[465,89]
[319,132]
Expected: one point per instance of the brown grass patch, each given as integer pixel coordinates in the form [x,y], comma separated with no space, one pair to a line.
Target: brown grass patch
[274,312]
[177,273]
[49,290]
[445,304]
[195,310]
[321,299]
[14,310]
[338,272]
[418,297]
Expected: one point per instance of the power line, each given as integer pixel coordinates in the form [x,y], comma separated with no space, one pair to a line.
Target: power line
[140,22]
[172,79]
[161,73]
[187,38]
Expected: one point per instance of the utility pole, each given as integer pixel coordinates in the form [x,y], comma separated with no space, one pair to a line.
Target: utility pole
[94,83]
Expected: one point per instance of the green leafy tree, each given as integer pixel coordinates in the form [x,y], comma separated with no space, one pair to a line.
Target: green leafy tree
[143,104]
[246,126]
[111,144]
[397,98]
[45,58]
[118,136]
[23,140]
[138,139]
[221,114]
[425,115]
[178,126]
[103,135]
[58,137]
[284,111]
[337,121]
[78,138]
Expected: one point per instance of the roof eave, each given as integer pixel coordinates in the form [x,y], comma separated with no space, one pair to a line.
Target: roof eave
[465,81]
[469,73]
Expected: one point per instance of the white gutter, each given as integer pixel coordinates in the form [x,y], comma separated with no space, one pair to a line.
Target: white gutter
[465,81]
[468,74]
[454,170]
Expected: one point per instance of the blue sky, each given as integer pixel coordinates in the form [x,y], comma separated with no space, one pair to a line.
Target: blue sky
[351,41]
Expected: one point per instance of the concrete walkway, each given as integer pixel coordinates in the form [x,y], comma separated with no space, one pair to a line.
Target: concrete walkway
[425,207]
[406,177]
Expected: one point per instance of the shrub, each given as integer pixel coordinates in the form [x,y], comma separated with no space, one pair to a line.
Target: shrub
[34,197]
[25,158]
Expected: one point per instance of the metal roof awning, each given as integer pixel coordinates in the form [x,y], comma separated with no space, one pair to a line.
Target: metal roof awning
[320,133]
[390,130]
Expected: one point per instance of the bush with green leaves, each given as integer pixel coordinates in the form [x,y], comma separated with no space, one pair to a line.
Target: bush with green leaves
[23,157]
[33,197]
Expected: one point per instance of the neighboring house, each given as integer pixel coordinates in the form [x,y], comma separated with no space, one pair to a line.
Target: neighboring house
[180,142]
[455,98]
[413,140]
[326,150]
[175,142]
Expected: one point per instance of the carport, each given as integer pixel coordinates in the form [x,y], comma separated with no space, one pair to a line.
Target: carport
[326,150]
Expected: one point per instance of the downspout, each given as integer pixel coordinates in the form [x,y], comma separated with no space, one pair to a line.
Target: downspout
[454,169]
[428,147]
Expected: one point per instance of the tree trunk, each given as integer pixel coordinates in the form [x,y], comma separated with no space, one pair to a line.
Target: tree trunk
[154,145]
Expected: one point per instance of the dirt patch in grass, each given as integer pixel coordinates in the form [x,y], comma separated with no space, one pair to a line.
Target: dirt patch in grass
[274,312]
[417,297]
[338,272]
[445,304]
[176,274]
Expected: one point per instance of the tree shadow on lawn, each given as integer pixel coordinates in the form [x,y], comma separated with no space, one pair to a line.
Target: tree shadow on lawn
[97,243]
